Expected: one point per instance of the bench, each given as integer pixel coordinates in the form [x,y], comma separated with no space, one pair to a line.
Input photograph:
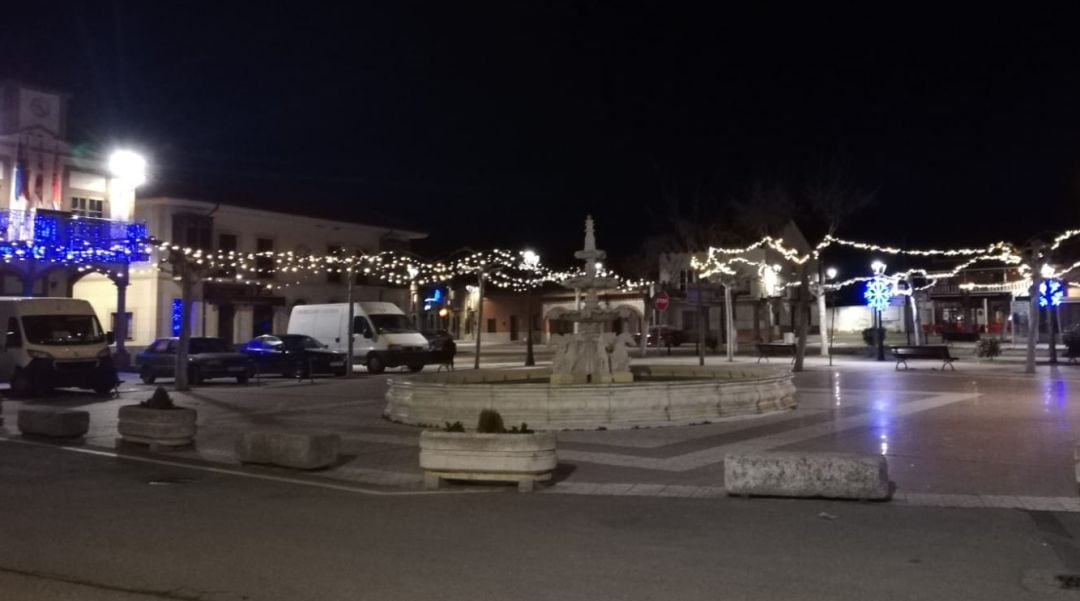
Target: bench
[775,349]
[935,352]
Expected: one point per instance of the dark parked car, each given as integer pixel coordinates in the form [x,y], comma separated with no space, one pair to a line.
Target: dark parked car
[663,336]
[294,355]
[207,358]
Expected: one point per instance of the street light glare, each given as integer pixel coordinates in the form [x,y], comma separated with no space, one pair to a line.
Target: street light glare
[128,166]
[531,258]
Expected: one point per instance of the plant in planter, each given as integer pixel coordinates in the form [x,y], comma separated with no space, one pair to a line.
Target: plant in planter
[490,453]
[988,348]
[868,336]
[157,422]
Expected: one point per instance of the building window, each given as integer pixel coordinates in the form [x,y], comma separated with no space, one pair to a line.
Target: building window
[129,332]
[88,207]
[192,230]
[226,243]
[491,325]
[264,265]
[333,275]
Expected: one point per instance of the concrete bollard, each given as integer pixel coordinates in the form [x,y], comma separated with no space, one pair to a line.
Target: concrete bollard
[52,422]
[305,451]
[829,475]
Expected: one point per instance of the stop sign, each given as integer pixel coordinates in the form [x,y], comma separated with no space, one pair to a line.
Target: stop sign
[661,301]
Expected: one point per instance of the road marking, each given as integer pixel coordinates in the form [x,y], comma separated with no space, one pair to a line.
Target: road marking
[698,459]
[246,474]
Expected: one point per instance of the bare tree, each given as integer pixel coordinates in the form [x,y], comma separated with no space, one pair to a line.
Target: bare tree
[189,273]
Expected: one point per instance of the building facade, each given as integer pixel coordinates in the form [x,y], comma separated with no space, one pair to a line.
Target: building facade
[223,306]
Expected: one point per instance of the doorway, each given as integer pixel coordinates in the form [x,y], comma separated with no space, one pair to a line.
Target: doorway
[263,320]
[513,328]
[226,315]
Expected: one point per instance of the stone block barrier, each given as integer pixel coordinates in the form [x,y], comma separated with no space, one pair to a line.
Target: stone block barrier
[828,475]
[52,422]
[297,450]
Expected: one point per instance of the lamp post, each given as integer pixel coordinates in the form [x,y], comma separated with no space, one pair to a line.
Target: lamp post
[878,293]
[529,260]
[128,171]
[413,292]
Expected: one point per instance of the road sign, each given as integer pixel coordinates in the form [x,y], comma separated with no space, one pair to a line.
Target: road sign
[661,301]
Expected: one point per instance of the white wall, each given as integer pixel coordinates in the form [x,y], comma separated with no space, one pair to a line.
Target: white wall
[856,318]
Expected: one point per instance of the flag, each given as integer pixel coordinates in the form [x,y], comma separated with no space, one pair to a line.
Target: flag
[37,190]
[57,191]
[18,190]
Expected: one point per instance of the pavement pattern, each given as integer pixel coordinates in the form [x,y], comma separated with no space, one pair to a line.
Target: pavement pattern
[986,435]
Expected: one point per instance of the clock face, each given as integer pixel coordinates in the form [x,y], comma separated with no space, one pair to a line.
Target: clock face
[40,108]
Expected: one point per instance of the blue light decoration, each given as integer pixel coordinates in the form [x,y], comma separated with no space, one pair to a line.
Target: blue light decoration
[436,298]
[1050,293]
[878,293]
[56,237]
[177,315]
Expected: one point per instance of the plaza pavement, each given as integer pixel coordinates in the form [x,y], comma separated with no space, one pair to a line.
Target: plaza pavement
[986,435]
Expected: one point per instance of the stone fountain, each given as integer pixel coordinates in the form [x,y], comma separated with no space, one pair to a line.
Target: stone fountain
[591,382]
[590,355]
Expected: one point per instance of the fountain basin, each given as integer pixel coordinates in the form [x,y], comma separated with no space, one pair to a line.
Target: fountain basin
[661,395]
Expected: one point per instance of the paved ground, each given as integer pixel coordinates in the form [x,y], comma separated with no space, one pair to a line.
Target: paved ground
[985,435]
[82,526]
[987,504]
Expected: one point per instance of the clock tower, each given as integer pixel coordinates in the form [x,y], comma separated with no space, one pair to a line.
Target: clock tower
[24,108]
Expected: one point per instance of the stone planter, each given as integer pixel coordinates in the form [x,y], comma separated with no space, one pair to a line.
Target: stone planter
[521,458]
[158,428]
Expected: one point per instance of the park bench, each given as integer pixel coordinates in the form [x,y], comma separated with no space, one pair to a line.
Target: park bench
[775,349]
[935,352]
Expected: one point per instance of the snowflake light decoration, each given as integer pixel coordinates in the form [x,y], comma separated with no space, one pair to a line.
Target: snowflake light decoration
[878,293]
[1050,293]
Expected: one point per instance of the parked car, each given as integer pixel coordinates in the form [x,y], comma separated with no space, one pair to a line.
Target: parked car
[207,358]
[438,340]
[663,336]
[294,356]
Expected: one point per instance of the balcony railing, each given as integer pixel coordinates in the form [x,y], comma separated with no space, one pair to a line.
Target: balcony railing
[57,236]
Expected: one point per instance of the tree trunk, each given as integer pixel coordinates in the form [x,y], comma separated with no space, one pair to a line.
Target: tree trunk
[823,319]
[1033,318]
[802,306]
[187,286]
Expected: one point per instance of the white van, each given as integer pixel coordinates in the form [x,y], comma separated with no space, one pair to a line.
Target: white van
[382,334]
[53,343]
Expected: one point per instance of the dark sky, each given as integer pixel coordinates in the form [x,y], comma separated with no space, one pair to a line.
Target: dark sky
[503,123]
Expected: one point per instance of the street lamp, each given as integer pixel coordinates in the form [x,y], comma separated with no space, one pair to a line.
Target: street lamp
[128,166]
[128,170]
[529,260]
[413,292]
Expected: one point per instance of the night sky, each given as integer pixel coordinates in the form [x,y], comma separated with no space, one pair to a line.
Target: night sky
[502,124]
